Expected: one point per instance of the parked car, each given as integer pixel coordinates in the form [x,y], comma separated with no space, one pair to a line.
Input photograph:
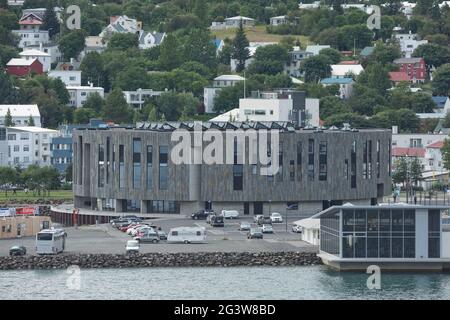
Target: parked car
[255,233]
[276,217]
[217,221]
[245,226]
[200,215]
[132,246]
[162,235]
[296,228]
[257,217]
[117,223]
[17,251]
[230,214]
[152,237]
[267,228]
[264,220]
[141,229]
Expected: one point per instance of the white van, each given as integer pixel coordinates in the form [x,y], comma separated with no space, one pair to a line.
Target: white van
[230,214]
[187,234]
[50,241]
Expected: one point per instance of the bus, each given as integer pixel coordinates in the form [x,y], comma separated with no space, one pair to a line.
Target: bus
[50,241]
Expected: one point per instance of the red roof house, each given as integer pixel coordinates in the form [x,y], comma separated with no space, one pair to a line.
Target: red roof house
[409,152]
[30,21]
[24,67]
[415,68]
[436,145]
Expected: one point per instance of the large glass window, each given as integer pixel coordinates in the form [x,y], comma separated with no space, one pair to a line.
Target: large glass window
[323,155]
[329,234]
[299,161]
[311,159]
[434,234]
[163,169]
[238,177]
[372,234]
[149,167]
[163,206]
[101,166]
[397,233]
[409,231]
[137,172]
[121,166]
[385,233]
[353,166]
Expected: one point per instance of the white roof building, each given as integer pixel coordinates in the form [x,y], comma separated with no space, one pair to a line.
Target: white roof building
[310,230]
[43,57]
[315,49]
[19,62]
[344,70]
[79,94]
[21,113]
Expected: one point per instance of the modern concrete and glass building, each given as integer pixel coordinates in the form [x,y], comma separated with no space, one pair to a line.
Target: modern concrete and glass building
[393,237]
[132,169]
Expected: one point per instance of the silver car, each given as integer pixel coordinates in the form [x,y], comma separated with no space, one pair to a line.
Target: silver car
[244,226]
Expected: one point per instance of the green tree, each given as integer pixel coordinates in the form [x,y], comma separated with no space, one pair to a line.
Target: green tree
[201,10]
[72,43]
[116,108]
[355,120]
[94,102]
[331,105]
[441,80]
[131,78]
[50,21]
[68,173]
[8,177]
[84,115]
[31,121]
[169,57]
[384,54]
[434,54]
[375,76]
[316,68]
[8,92]
[8,119]
[240,50]
[445,150]
[333,54]
[93,70]
[123,41]
[199,47]
[269,60]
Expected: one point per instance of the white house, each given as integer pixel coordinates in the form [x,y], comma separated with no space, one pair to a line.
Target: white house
[209,93]
[275,106]
[296,56]
[234,22]
[279,20]
[408,43]
[345,86]
[93,44]
[315,49]
[69,77]
[310,230]
[31,37]
[29,145]
[43,57]
[121,24]
[50,48]
[79,94]
[252,49]
[433,156]
[20,114]
[345,70]
[137,98]
[306,6]
[150,39]
[16,3]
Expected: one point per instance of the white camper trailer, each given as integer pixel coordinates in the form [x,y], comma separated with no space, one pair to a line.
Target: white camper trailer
[187,235]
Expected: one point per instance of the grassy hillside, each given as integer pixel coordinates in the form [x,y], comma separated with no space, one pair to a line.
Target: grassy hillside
[258,34]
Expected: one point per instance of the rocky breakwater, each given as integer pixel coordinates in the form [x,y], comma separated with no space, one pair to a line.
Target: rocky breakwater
[200,259]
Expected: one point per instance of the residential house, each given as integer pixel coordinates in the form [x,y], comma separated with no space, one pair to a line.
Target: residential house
[415,68]
[366,8]
[150,39]
[219,44]
[315,49]
[31,37]
[69,77]
[121,24]
[306,6]
[366,52]
[279,20]
[442,104]
[16,3]
[345,86]
[282,105]
[43,57]
[408,43]
[433,156]
[209,93]
[234,22]
[32,19]
[29,145]
[346,70]
[252,49]
[50,48]
[296,56]
[23,67]
[20,114]
[139,97]
[93,44]
[79,94]
[69,65]
[407,9]
[397,77]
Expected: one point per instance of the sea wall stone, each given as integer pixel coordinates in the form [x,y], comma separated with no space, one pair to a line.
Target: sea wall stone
[199,259]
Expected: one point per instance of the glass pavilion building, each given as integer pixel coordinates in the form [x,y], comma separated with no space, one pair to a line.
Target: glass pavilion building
[394,237]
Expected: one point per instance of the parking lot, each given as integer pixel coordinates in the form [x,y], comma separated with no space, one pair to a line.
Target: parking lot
[104,238]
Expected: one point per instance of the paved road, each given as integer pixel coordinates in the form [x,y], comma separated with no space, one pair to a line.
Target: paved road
[105,239]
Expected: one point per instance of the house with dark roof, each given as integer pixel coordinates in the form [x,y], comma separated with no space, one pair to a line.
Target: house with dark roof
[150,39]
[442,104]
